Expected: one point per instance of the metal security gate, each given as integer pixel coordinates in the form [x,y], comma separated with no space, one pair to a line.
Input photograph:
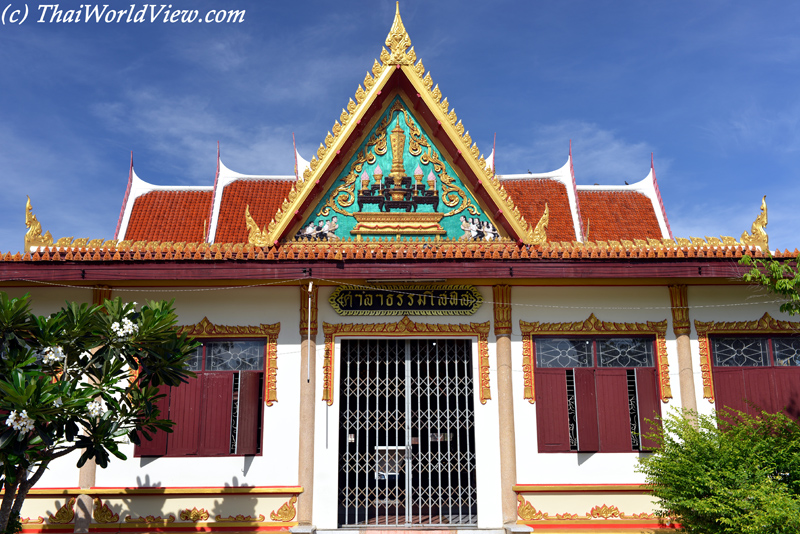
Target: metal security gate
[407,438]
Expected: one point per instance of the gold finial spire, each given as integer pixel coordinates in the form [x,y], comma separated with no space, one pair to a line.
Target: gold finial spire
[398,42]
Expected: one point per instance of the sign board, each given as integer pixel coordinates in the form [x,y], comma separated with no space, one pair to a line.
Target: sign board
[411,299]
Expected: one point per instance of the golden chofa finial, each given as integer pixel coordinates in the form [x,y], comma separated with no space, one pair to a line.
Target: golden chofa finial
[398,42]
[34,237]
[758,236]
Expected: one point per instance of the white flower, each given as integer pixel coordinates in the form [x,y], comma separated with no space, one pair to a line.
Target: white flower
[57,402]
[20,421]
[52,355]
[95,408]
[124,328]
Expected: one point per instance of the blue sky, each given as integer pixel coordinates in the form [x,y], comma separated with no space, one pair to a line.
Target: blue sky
[710,87]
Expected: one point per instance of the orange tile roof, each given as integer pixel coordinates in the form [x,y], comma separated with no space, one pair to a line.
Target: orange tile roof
[616,215]
[531,194]
[169,216]
[263,196]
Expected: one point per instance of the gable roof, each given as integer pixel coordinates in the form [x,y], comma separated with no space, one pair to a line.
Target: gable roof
[398,72]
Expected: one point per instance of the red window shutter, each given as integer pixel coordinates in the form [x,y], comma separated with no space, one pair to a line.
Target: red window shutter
[759,388]
[247,435]
[612,406]
[729,388]
[649,405]
[158,445]
[215,438]
[552,419]
[586,408]
[185,409]
[787,386]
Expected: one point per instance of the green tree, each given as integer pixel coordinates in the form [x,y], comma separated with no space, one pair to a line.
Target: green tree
[84,378]
[780,277]
[729,473]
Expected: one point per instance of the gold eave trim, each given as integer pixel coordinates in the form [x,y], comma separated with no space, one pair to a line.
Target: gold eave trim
[331,152]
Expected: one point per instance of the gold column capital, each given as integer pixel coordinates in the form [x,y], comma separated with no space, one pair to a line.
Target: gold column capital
[304,310]
[100,294]
[680,310]
[502,309]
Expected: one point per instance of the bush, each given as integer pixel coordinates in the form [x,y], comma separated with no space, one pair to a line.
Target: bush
[729,473]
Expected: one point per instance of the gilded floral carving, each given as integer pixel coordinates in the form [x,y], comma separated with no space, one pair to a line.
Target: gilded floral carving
[239,517]
[150,519]
[65,514]
[207,329]
[194,515]
[103,514]
[527,512]
[286,512]
[765,325]
[592,326]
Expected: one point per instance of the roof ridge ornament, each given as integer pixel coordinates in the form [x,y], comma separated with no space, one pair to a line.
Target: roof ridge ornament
[34,237]
[257,237]
[538,235]
[398,42]
[758,236]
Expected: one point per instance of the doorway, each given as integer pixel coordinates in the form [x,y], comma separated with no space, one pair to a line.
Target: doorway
[407,436]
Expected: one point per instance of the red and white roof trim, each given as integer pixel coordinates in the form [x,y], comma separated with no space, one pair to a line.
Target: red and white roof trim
[563,175]
[138,187]
[647,187]
[226,176]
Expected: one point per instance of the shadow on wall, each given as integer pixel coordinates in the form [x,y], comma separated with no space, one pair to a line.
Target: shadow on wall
[240,507]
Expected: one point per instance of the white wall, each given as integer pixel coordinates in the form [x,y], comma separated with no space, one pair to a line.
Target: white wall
[629,304]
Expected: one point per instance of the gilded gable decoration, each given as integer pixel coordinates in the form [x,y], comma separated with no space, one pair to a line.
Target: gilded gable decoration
[326,221]
[592,326]
[765,325]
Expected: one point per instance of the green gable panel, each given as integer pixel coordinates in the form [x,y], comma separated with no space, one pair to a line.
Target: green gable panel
[396,186]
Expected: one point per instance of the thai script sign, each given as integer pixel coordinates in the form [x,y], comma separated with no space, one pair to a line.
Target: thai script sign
[430,299]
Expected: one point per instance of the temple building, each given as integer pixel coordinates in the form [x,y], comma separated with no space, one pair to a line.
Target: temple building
[397,337]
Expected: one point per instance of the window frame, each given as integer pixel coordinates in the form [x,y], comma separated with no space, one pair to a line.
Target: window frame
[596,397]
[592,327]
[752,388]
[266,387]
[765,326]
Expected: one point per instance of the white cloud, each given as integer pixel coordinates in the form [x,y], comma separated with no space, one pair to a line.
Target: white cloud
[599,155]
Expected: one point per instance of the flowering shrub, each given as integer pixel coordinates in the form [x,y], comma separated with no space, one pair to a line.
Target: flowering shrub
[66,384]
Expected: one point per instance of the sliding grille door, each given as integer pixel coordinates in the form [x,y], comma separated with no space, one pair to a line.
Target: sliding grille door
[407,438]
